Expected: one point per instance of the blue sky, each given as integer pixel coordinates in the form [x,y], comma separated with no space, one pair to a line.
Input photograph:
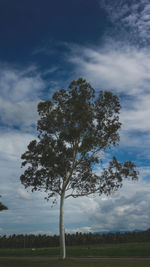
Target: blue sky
[44,46]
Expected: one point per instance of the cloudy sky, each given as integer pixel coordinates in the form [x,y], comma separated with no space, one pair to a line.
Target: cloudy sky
[44,46]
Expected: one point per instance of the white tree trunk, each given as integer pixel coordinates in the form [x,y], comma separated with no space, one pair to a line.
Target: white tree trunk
[61,228]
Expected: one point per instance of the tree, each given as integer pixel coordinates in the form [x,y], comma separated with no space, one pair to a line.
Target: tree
[2,206]
[74,128]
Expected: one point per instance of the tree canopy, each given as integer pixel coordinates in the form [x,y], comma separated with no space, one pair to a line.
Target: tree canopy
[74,128]
[2,206]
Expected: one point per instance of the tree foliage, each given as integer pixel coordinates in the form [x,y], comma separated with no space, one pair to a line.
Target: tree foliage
[77,239]
[2,206]
[74,128]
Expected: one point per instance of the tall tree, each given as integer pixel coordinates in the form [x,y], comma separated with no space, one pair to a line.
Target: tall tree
[74,128]
[2,206]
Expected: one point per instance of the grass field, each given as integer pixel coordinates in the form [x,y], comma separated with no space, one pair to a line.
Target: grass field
[107,250]
[69,263]
[44,257]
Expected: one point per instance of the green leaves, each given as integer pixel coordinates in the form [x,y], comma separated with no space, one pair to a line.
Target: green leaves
[2,206]
[73,128]
[113,176]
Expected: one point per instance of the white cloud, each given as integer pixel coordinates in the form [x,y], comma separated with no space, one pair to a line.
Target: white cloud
[124,70]
[20,92]
[137,116]
[13,144]
[27,210]
[84,229]
[23,194]
[20,85]
[127,209]
[22,114]
[131,18]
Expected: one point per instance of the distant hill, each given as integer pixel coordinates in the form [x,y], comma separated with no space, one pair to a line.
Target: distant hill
[121,232]
[148,230]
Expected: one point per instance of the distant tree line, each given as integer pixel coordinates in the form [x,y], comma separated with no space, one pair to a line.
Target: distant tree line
[41,241]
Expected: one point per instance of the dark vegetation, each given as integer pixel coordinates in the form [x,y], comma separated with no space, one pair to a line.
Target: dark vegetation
[42,241]
[2,206]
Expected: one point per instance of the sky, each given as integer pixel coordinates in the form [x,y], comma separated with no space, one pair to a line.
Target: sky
[44,45]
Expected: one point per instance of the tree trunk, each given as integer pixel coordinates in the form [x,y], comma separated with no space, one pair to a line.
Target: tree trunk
[61,228]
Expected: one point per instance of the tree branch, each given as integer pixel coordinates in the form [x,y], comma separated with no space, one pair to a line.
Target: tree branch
[73,164]
[82,194]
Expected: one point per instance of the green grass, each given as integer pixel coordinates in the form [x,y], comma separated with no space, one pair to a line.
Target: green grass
[68,263]
[107,250]
[44,257]
[50,252]
[112,250]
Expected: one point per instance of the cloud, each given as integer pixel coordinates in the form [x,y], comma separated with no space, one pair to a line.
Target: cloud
[41,232]
[125,210]
[21,90]
[137,116]
[13,144]
[23,194]
[124,69]
[20,85]
[84,229]
[131,19]
[27,211]
[21,114]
